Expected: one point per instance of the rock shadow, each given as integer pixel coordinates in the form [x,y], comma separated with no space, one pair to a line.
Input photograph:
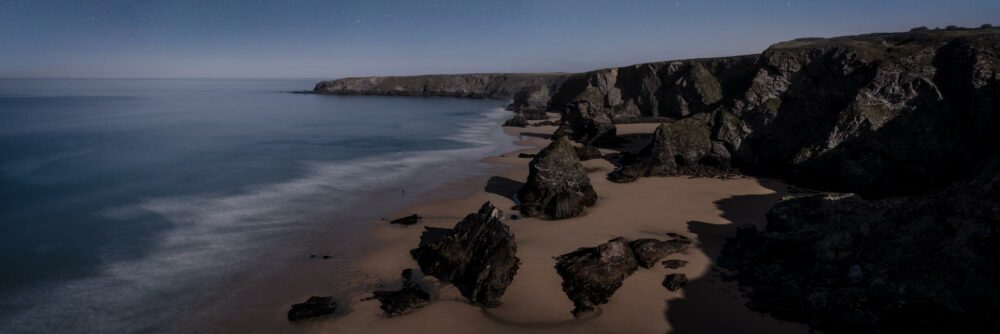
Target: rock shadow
[503,186]
[710,304]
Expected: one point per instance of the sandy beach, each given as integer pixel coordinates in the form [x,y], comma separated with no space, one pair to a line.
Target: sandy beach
[705,209]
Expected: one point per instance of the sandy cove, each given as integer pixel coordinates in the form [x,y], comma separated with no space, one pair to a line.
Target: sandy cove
[706,209]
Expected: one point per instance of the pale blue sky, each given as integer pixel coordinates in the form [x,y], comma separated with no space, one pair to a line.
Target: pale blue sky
[325,39]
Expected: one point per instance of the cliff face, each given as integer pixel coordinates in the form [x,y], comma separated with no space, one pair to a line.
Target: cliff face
[881,115]
[485,85]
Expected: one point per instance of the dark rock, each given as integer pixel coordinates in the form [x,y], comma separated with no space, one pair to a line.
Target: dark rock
[478,256]
[591,275]
[405,300]
[517,121]
[683,147]
[648,251]
[674,282]
[842,264]
[314,307]
[588,152]
[557,185]
[326,257]
[407,221]
[312,256]
[586,124]
[534,114]
[674,264]
[525,155]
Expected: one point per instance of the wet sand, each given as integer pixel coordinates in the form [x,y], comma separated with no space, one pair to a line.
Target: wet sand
[707,210]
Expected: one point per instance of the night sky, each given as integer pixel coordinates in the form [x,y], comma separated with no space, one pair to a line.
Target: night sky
[326,39]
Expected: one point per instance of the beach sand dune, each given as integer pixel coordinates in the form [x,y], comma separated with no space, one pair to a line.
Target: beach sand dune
[705,209]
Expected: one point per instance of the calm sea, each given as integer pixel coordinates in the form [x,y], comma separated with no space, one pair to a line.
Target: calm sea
[124,202]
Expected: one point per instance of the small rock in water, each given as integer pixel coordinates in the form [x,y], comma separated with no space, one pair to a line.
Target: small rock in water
[525,155]
[674,282]
[673,264]
[312,256]
[314,307]
[407,221]
[405,300]
[325,257]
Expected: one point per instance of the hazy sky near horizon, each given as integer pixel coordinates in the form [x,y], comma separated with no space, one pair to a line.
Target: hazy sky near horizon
[327,39]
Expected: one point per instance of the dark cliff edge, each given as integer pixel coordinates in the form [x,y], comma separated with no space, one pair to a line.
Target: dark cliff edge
[907,122]
[475,85]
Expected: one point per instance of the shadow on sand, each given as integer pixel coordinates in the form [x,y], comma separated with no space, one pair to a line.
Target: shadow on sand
[503,186]
[711,305]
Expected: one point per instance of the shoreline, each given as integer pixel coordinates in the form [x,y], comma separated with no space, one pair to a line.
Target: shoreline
[708,211]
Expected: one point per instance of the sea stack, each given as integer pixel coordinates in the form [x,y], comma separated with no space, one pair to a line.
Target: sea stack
[557,186]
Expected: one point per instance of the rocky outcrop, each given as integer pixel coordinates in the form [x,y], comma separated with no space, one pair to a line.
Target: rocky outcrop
[478,256]
[683,147]
[482,85]
[866,114]
[591,275]
[648,251]
[906,264]
[314,307]
[557,185]
[405,300]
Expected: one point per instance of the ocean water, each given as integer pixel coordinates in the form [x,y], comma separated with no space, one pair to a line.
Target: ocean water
[125,202]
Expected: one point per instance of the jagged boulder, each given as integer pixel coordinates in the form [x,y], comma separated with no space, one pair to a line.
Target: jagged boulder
[405,300]
[314,307]
[591,275]
[648,251]
[517,121]
[557,185]
[478,256]
[683,147]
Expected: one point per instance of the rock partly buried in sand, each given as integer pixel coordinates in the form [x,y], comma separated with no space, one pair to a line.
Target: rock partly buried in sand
[588,152]
[407,221]
[517,121]
[557,185]
[405,300]
[674,264]
[674,282]
[648,251]
[478,256]
[591,275]
[314,307]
